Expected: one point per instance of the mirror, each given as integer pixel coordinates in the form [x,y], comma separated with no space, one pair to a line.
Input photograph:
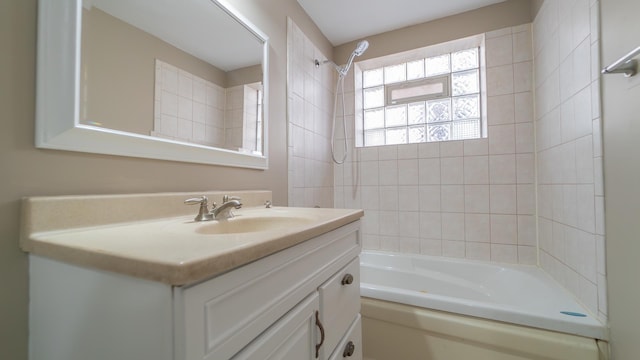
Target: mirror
[163,79]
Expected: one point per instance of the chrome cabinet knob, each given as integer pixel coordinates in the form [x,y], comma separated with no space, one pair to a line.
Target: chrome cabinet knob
[347,279]
[349,349]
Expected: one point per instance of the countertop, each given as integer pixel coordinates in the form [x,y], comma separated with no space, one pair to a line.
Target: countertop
[174,250]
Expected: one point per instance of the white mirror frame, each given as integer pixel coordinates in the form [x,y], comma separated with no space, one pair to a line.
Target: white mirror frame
[58,98]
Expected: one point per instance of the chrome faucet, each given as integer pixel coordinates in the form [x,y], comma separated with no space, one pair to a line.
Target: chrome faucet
[221,212]
[203,212]
[224,211]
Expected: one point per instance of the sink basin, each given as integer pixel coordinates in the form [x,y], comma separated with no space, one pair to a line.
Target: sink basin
[239,225]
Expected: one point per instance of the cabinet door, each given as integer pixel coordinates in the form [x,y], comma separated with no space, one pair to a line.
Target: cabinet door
[350,347]
[294,337]
[340,303]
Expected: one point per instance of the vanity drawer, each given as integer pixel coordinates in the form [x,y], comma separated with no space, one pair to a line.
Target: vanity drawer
[350,348]
[340,303]
[217,318]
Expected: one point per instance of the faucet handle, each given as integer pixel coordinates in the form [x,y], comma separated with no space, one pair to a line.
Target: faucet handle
[203,212]
[202,200]
[226,198]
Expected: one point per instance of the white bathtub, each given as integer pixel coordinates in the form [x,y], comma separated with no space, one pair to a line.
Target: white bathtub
[514,294]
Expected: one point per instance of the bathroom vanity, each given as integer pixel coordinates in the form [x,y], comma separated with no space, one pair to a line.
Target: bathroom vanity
[167,287]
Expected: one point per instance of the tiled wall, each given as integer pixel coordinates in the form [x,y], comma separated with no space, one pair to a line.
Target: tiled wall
[470,199]
[310,108]
[569,149]
[188,107]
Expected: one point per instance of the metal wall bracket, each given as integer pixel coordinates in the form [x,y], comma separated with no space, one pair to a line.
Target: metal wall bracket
[626,64]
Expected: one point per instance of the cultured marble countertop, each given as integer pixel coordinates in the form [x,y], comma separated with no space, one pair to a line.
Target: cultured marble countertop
[175,250]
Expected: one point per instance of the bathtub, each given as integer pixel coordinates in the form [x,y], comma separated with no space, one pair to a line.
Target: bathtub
[423,307]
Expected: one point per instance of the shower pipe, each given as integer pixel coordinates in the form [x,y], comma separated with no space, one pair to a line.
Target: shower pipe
[342,73]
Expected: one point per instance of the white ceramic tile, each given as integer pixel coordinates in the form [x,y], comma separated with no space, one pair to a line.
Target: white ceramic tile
[476,147]
[502,139]
[452,198]
[588,294]
[524,138]
[526,230]
[586,208]
[408,151]
[498,33]
[408,198]
[453,226]
[502,169]
[602,295]
[431,247]
[504,253]
[500,80]
[501,109]
[526,199]
[409,224]
[476,170]
[568,153]
[389,223]
[523,77]
[570,204]
[430,225]
[504,229]
[169,104]
[429,150]
[370,197]
[476,198]
[453,248]
[478,251]
[452,170]
[409,245]
[451,148]
[527,255]
[429,171]
[371,222]
[389,152]
[371,242]
[388,172]
[582,112]
[367,153]
[408,172]
[389,243]
[584,160]
[523,107]
[388,198]
[429,198]
[522,45]
[185,129]
[477,227]
[502,199]
[169,125]
[369,172]
[525,170]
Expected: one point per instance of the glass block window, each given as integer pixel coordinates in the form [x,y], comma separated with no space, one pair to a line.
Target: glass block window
[436,98]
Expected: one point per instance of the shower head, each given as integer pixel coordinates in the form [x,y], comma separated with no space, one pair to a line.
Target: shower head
[359,50]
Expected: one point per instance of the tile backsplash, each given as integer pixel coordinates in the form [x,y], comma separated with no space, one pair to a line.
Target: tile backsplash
[569,151]
[310,96]
[471,199]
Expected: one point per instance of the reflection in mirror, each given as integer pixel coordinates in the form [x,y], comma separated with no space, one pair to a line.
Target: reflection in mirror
[183,71]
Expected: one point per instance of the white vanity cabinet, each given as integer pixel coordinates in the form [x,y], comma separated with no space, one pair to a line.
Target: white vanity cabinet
[299,303]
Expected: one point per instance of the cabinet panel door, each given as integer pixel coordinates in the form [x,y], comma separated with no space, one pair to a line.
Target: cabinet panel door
[340,303]
[294,337]
[350,347]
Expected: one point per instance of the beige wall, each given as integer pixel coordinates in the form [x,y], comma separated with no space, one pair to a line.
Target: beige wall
[493,17]
[27,171]
[621,130]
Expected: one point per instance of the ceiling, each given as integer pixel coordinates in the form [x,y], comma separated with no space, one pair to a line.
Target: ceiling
[342,21]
